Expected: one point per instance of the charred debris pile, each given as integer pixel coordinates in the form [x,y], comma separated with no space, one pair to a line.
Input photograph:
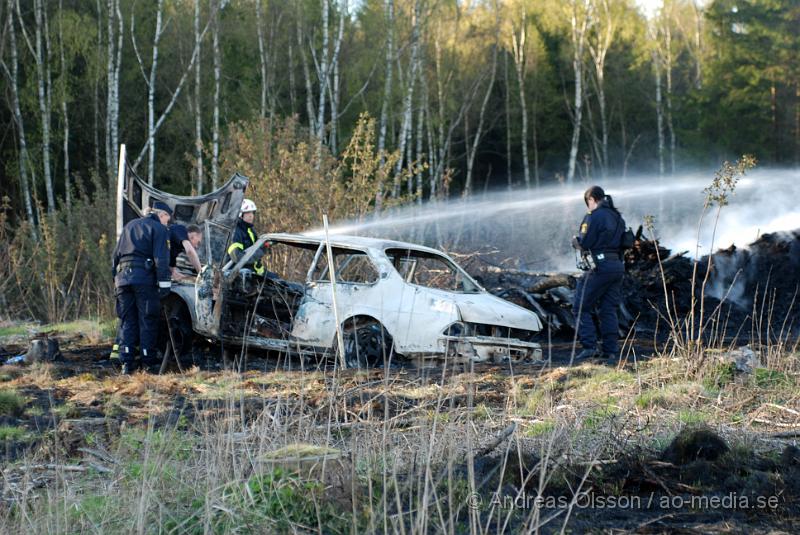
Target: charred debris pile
[746,290]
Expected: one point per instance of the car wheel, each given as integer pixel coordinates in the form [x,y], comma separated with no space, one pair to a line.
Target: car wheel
[366,344]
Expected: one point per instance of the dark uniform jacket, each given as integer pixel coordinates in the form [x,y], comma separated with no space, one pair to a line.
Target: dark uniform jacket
[177,235]
[601,234]
[244,237]
[141,256]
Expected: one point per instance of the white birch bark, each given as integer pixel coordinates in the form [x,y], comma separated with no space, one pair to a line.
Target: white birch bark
[668,74]
[387,93]
[418,155]
[507,95]
[659,111]
[520,59]
[409,96]
[336,82]
[306,74]
[198,110]
[96,86]
[323,75]
[151,96]
[13,78]
[40,54]
[262,54]
[598,49]
[176,93]
[112,90]
[215,125]
[472,151]
[579,23]
[64,110]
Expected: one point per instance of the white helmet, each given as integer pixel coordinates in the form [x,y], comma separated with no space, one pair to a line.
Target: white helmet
[247,206]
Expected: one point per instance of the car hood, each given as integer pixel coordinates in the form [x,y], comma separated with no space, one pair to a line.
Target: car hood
[486,308]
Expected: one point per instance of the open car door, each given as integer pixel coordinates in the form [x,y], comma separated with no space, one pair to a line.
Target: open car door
[216,212]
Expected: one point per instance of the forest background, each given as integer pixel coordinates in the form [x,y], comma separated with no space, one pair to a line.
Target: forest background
[351,107]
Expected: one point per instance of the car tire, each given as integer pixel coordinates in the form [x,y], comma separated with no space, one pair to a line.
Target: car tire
[366,344]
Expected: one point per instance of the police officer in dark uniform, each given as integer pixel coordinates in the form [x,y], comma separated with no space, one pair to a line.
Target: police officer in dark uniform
[244,236]
[599,240]
[141,279]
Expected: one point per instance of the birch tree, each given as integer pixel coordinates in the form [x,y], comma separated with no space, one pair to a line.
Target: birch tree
[518,41]
[198,110]
[599,43]
[40,53]
[262,56]
[217,75]
[175,93]
[13,78]
[387,94]
[473,150]
[409,95]
[114,49]
[64,108]
[579,24]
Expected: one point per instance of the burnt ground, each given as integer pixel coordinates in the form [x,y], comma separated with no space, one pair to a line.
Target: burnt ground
[606,440]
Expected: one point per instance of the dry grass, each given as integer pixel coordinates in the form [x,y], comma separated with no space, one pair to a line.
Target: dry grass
[365,451]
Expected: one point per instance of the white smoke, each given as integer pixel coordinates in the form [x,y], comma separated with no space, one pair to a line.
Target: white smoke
[534,226]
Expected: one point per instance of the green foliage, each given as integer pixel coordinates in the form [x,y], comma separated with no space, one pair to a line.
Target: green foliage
[766,378]
[11,402]
[12,433]
[719,375]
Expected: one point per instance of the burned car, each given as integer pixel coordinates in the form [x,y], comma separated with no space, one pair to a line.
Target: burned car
[391,298]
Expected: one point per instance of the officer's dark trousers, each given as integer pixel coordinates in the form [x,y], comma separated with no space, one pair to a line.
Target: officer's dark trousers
[138,308]
[601,290]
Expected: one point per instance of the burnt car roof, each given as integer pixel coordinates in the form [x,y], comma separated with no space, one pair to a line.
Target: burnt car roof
[361,242]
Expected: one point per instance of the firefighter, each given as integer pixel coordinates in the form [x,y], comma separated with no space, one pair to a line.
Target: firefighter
[183,239]
[245,236]
[141,279]
[599,240]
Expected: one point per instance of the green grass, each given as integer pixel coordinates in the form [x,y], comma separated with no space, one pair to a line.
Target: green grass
[539,428]
[10,432]
[689,417]
[11,403]
[766,378]
[719,376]
[651,398]
[93,328]
[15,330]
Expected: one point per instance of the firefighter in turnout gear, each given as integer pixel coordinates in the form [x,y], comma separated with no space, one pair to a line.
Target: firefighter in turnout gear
[245,236]
[141,278]
[599,241]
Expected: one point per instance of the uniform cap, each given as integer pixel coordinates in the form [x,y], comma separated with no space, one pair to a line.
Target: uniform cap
[159,205]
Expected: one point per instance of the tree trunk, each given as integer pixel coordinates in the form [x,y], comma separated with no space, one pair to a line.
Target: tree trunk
[151,97]
[387,93]
[13,77]
[96,84]
[599,50]
[262,54]
[579,24]
[198,110]
[64,114]
[668,72]
[307,75]
[471,152]
[41,55]
[335,92]
[409,97]
[507,96]
[112,92]
[659,113]
[323,75]
[215,126]
[520,60]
